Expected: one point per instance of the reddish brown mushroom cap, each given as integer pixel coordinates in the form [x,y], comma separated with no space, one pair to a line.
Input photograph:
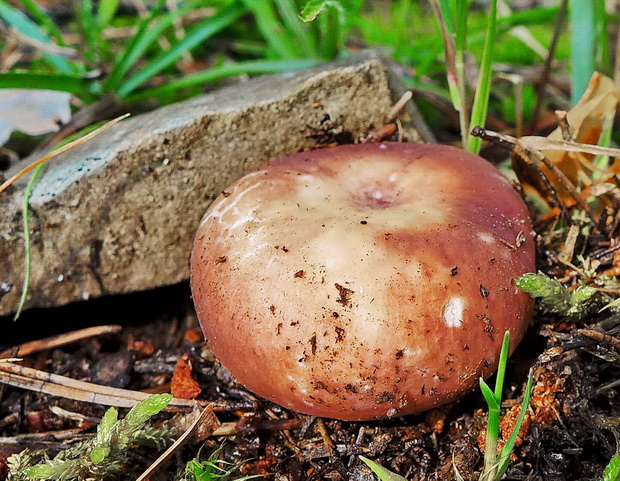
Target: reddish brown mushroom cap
[363,281]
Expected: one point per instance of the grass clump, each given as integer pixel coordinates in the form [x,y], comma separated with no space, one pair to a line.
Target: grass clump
[101,456]
[553,297]
[212,469]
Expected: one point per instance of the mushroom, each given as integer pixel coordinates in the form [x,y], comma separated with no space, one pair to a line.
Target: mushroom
[364,281]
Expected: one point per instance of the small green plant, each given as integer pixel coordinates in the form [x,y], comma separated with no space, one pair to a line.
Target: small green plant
[102,455]
[553,297]
[612,470]
[494,466]
[212,469]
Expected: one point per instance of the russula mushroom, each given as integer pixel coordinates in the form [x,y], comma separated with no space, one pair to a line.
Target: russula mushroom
[363,281]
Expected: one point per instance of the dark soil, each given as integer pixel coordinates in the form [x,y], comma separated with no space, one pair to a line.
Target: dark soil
[574,401]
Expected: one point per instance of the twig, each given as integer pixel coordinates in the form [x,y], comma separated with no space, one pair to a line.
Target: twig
[38,437]
[510,144]
[327,441]
[562,116]
[527,151]
[398,106]
[59,340]
[206,412]
[61,386]
[600,337]
[61,150]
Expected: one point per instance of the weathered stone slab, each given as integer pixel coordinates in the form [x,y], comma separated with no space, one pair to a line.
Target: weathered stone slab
[118,213]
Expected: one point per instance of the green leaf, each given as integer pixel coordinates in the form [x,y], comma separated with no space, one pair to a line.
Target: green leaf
[195,36]
[383,473]
[313,8]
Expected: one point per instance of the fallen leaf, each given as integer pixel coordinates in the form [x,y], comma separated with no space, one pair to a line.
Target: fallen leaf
[33,112]
[183,385]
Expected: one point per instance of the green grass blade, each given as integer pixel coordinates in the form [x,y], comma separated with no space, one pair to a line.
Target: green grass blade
[27,246]
[488,394]
[146,35]
[331,30]
[90,29]
[27,27]
[228,70]
[483,87]
[74,84]
[448,15]
[501,366]
[44,20]
[195,36]
[602,36]
[583,37]
[313,8]
[383,473]
[106,12]
[290,17]
[442,12]
[400,21]
[510,444]
[272,29]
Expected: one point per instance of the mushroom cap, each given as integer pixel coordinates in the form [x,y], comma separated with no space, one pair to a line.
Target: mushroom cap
[364,281]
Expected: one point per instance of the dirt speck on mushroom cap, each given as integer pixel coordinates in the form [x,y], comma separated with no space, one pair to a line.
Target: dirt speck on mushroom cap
[409,254]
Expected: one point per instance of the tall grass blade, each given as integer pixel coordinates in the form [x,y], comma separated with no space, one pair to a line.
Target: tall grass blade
[583,37]
[27,27]
[483,87]
[44,20]
[106,12]
[147,33]
[288,12]
[271,28]
[74,84]
[331,23]
[90,29]
[510,444]
[383,473]
[195,36]
[27,246]
[223,71]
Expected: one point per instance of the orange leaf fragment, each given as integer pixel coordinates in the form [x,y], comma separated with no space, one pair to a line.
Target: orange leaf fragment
[183,385]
